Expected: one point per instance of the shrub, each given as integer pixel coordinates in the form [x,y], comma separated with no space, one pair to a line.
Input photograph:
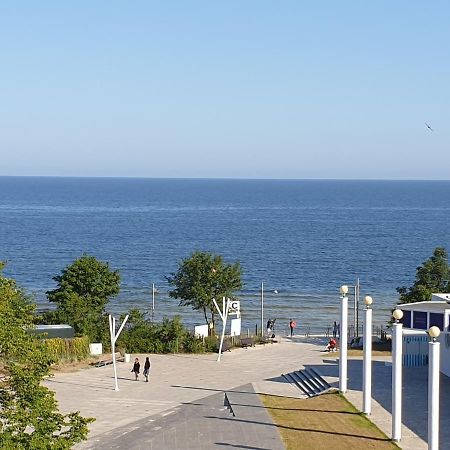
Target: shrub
[169,336]
[67,350]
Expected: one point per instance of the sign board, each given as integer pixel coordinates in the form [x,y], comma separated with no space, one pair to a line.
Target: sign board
[201,330]
[235,327]
[235,308]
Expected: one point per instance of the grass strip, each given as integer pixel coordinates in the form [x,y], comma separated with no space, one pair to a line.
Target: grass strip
[325,421]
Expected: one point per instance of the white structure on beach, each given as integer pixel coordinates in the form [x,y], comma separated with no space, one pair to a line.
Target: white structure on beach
[417,319]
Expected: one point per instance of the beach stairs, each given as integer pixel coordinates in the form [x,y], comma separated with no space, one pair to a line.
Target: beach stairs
[309,381]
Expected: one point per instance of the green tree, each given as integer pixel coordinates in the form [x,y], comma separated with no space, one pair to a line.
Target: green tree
[202,277]
[29,416]
[83,291]
[432,276]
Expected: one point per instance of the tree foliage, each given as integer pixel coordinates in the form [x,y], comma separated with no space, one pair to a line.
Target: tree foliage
[29,416]
[82,293]
[432,276]
[168,336]
[202,277]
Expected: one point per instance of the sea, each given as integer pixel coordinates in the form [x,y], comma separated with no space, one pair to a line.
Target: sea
[302,239]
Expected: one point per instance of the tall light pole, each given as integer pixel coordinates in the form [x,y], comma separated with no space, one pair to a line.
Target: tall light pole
[367,363]
[433,388]
[343,341]
[355,307]
[262,309]
[153,301]
[397,343]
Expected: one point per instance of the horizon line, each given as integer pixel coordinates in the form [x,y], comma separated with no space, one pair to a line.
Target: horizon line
[126,177]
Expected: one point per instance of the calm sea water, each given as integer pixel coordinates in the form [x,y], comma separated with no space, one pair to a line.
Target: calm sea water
[301,238]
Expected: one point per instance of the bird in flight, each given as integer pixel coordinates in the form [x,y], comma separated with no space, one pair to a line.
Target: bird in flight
[428,126]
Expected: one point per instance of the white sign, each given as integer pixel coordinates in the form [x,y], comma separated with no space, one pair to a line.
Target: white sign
[235,327]
[235,308]
[201,330]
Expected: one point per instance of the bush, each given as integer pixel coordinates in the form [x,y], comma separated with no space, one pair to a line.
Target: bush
[212,344]
[193,344]
[169,336]
[67,350]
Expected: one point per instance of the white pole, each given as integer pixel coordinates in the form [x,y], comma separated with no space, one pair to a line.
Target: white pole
[262,309]
[433,396]
[113,349]
[114,336]
[153,302]
[224,324]
[357,307]
[367,367]
[153,296]
[397,342]
[343,345]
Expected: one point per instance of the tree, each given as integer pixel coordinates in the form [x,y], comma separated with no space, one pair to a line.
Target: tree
[29,416]
[202,277]
[432,276]
[83,291]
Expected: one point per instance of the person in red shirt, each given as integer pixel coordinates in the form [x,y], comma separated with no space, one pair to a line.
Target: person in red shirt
[292,325]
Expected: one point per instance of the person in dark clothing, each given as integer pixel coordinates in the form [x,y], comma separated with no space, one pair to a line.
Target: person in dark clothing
[136,369]
[146,368]
[335,329]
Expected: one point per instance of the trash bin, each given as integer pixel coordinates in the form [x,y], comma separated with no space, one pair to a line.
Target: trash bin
[127,357]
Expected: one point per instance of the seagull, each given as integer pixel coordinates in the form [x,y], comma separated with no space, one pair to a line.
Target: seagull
[428,126]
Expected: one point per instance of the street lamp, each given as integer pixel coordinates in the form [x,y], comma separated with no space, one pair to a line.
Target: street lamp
[367,363]
[355,307]
[397,342]
[433,388]
[343,340]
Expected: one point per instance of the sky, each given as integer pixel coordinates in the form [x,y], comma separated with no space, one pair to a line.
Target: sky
[234,89]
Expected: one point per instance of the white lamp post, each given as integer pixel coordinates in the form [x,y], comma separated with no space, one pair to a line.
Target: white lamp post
[343,341]
[262,309]
[367,364]
[433,389]
[397,342]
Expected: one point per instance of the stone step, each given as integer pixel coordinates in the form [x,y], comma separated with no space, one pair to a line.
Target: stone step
[309,381]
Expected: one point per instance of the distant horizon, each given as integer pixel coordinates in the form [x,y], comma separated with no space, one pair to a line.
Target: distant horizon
[125,177]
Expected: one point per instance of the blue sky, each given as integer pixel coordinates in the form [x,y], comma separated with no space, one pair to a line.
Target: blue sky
[257,89]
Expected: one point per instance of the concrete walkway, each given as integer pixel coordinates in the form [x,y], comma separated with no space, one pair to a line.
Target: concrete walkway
[186,392]
[176,380]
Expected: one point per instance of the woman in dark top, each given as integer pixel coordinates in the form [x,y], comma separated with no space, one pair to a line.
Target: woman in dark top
[136,368]
[146,368]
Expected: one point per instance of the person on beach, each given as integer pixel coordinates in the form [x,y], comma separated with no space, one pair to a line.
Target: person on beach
[292,325]
[146,369]
[335,330]
[136,369]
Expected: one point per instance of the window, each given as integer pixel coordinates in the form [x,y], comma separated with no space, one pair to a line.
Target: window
[437,319]
[420,320]
[406,321]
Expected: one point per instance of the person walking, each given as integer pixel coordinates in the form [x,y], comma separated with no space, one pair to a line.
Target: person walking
[335,329]
[146,368]
[136,369]
[292,325]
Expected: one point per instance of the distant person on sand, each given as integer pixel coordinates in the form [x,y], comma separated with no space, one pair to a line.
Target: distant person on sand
[146,368]
[136,369]
[335,329]
[292,325]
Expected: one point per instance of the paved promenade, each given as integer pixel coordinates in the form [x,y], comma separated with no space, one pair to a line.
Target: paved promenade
[183,402]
